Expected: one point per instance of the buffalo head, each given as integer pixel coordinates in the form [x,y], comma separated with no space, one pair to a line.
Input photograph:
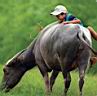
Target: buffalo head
[13,71]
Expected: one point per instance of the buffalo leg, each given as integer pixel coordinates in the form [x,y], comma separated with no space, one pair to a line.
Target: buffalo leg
[81,81]
[83,64]
[53,78]
[82,69]
[45,75]
[66,75]
[67,83]
[47,83]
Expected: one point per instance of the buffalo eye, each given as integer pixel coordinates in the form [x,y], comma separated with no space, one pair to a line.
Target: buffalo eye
[5,71]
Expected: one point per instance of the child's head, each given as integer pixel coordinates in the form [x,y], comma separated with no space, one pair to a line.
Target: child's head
[60,12]
[61,16]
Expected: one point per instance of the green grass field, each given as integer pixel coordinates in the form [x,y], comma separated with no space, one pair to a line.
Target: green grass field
[32,85]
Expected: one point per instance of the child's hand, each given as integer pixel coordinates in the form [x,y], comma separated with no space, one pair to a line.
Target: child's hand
[65,22]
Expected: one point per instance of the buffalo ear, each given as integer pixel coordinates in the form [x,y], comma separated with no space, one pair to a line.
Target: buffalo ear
[15,62]
[15,59]
[11,63]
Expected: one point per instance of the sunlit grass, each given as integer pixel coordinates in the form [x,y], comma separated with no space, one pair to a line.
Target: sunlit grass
[32,84]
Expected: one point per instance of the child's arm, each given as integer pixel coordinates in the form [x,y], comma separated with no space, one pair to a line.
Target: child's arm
[77,21]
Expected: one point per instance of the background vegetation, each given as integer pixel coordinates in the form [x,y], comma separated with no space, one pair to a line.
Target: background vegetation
[30,85]
[20,21]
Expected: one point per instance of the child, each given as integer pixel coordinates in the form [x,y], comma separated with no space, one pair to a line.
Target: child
[65,17]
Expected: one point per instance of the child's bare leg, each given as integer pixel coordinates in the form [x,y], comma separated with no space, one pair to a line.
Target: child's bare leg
[94,35]
[93,32]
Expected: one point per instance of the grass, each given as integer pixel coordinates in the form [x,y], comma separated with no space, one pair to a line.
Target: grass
[32,84]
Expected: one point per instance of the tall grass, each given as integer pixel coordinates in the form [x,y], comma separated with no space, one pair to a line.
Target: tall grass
[32,84]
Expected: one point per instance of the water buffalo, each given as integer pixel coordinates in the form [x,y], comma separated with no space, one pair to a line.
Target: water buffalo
[57,48]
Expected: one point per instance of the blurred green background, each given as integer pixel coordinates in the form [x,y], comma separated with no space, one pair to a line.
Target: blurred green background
[20,21]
